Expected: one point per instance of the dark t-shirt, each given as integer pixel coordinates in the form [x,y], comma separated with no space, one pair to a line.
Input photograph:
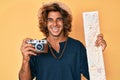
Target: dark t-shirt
[69,67]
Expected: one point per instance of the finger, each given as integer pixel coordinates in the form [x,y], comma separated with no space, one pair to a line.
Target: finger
[29,49]
[28,55]
[27,46]
[101,43]
[99,38]
[25,41]
[100,35]
[98,42]
[28,52]
[31,53]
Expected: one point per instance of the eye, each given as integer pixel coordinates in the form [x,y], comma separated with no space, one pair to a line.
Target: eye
[49,19]
[60,19]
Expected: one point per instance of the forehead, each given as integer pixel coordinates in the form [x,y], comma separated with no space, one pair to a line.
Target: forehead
[54,14]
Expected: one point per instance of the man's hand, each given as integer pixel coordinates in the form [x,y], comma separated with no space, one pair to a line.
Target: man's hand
[27,50]
[101,42]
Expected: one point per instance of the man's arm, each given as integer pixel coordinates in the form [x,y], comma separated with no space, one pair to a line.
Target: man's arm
[25,73]
[82,77]
[27,50]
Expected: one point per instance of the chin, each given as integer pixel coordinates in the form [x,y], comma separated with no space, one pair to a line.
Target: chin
[56,35]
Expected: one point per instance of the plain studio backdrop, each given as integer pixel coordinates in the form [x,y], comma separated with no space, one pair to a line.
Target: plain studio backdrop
[18,20]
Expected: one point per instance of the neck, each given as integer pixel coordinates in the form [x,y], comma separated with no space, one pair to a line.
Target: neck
[54,41]
[59,39]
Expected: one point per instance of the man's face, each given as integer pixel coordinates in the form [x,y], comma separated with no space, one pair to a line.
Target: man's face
[55,24]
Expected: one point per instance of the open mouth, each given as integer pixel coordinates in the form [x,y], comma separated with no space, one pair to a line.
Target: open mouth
[55,29]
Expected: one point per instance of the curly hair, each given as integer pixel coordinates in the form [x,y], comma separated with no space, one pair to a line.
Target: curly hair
[67,18]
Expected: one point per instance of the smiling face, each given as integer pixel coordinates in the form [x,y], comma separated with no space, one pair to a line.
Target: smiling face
[55,24]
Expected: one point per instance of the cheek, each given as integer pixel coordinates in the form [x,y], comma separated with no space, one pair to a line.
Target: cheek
[60,24]
[49,25]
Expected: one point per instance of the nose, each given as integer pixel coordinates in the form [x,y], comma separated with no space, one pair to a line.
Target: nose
[55,23]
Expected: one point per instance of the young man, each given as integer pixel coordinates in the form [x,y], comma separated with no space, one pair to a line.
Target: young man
[66,58]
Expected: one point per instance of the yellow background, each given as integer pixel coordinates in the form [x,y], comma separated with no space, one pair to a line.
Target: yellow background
[18,20]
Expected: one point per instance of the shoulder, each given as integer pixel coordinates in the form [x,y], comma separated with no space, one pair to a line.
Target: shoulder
[76,45]
[75,42]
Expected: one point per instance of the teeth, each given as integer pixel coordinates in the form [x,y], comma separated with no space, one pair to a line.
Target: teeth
[55,29]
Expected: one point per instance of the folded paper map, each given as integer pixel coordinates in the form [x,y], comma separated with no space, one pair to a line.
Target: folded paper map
[94,54]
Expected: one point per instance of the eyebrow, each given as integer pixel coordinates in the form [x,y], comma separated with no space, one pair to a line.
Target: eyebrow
[57,18]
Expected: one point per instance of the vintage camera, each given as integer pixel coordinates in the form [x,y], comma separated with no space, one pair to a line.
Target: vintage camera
[41,46]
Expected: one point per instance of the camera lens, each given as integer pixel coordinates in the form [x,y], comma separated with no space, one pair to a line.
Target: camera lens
[39,47]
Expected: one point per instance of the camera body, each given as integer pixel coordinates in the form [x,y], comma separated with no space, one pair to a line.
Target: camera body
[41,46]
